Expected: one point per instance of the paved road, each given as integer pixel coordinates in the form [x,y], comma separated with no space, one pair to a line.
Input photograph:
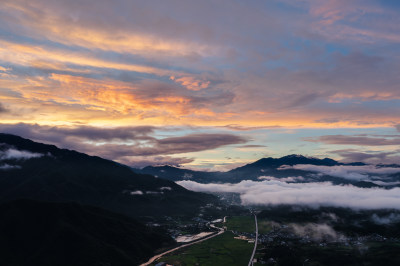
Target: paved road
[185,245]
[255,242]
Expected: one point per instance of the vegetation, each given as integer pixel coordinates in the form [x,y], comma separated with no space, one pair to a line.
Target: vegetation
[43,233]
[241,224]
[246,224]
[220,250]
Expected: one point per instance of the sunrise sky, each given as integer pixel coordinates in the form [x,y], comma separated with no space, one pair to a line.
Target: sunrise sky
[205,84]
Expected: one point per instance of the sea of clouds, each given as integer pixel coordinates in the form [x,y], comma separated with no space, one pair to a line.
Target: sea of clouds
[274,192]
[351,172]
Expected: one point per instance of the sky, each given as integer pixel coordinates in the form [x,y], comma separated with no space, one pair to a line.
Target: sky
[206,85]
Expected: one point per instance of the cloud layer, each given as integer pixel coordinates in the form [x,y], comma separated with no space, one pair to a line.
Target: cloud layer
[8,167]
[9,153]
[310,194]
[14,154]
[351,172]
[357,140]
[284,63]
[135,146]
[2,108]
[80,67]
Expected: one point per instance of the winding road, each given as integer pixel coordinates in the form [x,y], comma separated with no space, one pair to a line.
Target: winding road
[255,242]
[206,238]
[185,245]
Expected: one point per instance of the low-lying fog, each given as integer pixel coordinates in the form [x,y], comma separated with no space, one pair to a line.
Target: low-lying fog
[272,192]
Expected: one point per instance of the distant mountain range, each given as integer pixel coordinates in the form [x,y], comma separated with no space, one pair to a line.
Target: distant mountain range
[283,168]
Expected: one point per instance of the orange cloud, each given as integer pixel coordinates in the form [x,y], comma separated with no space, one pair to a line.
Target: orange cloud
[61,98]
[3,69]
[251,102]
[42,21]
[191,83]
[29,55]
[115,98]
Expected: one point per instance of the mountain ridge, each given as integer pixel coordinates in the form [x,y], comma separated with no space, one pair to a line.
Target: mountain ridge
[63,207]
[275,167]
[66,175]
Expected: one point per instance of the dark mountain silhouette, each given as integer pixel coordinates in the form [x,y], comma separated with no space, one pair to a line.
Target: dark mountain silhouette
[270,167]
[292,159]
[62,207]
[63,175]
[48,233]
[263,167]
[248,171]
[176,174]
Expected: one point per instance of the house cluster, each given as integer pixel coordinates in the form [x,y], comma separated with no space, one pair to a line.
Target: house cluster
[284,237]
[163,264]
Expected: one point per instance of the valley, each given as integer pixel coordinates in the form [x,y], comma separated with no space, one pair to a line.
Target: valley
[83,204]
[289,235]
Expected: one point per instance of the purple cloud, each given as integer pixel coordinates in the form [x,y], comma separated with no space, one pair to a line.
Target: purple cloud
[125,143]
[355,140]
[351,172]
[374,157]
[2,108]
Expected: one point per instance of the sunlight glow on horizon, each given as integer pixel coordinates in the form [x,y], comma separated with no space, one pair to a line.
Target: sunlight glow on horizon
[284,70]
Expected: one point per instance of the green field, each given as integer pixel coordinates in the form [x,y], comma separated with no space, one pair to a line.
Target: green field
[220,250]
[246,224]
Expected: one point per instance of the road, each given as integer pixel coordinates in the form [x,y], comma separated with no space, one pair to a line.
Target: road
[255,242]
[186,245]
